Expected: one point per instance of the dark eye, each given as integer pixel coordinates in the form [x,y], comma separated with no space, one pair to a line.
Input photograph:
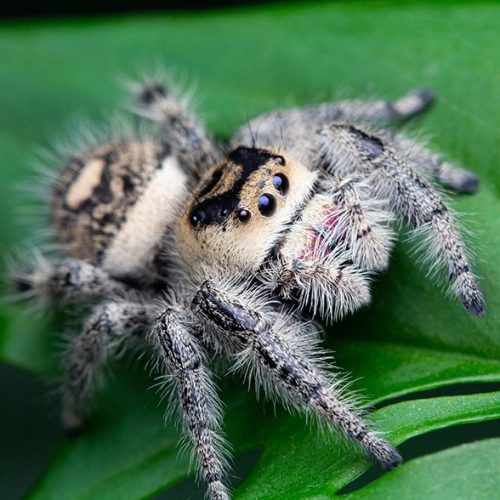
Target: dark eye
[244,215]
[266,204]
[280,182]
[197,217]
[279,160]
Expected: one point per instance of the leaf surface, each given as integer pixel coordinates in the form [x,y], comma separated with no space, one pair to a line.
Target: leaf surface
[467,471]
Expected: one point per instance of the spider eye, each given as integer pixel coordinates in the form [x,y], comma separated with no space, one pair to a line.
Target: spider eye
[279,160]
[197,217]
[244,215]
[266,204]
[280,182]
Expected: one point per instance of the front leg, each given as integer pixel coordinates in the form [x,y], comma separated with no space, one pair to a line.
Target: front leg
[362,224]
[324,263]
[268,347]
[183,357]
[433,165]
[330,288]
[348,150]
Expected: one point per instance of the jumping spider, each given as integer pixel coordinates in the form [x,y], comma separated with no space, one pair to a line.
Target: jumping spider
[204,253]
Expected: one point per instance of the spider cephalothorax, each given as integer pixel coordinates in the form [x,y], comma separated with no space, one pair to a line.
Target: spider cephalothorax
[201,253]
[241,208]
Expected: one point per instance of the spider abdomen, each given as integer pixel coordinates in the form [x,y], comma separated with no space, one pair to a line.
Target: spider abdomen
[112,205]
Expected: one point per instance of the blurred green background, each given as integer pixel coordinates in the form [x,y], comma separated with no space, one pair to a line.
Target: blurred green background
[246,60]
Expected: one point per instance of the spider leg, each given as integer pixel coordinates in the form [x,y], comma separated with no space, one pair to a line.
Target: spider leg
[291,127]
[324,265]
[431,164]
[104,334]
[183,358]
[408,106]
[70,280]
[362,224]
[157,101]
[269,351]
[330,287]
[412,198]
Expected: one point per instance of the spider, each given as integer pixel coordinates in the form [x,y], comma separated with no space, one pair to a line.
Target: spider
[203,250]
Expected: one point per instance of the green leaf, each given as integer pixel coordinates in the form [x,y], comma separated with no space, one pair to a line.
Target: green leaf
[467,471]
[388,370]
[280,472]
[126,460]
[246,61]
[129,452]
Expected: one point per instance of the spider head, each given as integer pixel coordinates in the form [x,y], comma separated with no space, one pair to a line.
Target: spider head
[241,208]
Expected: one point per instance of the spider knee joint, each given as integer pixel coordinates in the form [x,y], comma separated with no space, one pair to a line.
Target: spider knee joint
[223,311]
[370,145]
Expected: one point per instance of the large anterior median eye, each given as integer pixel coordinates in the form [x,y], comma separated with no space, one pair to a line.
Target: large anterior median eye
[280,182]
[266,204]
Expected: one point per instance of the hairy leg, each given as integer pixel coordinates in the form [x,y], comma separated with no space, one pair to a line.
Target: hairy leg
[363,224]
[412,198]
[330,287]
[431,164]
[158,102]
[270,352]
[70,281]
[104,335]
[382,112]
[291,128]
[183,358]
[343,234]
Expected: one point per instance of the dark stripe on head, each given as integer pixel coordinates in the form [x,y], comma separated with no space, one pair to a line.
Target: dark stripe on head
[217,209]
[216,176]
[250,158]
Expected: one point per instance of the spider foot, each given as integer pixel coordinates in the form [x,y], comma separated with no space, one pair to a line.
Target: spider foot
[460,180]
[387,456]
[72,423]
[414,103]
[151,93]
